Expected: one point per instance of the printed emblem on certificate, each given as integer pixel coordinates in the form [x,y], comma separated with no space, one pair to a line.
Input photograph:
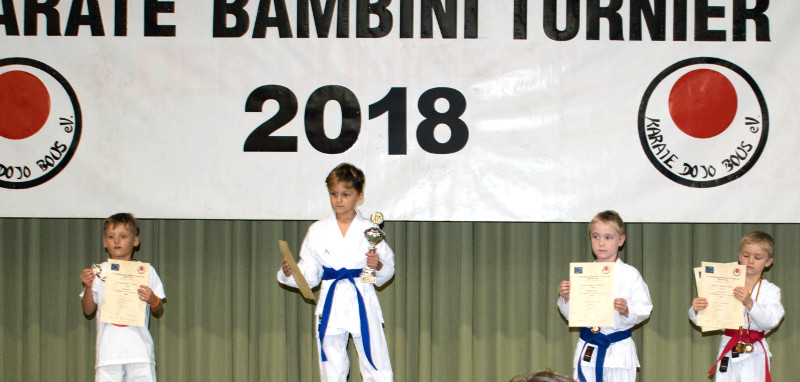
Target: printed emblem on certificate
[591,294]
[121,303]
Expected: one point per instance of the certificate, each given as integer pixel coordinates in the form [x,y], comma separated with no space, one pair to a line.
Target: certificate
[717,281]
[591,294]
[698,277]
[121,303]
[302,284]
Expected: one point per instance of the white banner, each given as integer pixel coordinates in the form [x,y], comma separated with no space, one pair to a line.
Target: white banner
[540,110]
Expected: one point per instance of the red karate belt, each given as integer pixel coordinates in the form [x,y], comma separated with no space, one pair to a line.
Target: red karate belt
[750,337]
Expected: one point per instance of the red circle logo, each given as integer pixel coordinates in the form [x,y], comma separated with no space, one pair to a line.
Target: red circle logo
[702,103]
[703,122]
[25,106]
[40,123]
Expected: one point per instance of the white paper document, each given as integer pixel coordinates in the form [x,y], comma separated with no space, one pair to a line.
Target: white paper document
[591,294]
[121,303]
[716,282]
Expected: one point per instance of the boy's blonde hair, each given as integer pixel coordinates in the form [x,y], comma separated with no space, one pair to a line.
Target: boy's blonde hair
[125,218]
[760,238]
[543,376]
[351,175]
[609,217]
[128,220]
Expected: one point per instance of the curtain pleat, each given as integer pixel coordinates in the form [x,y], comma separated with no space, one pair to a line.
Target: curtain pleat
[470,301]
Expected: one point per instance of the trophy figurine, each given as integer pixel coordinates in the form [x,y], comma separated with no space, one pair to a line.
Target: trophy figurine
[374,236]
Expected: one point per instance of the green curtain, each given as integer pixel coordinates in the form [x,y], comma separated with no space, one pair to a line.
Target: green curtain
[470,301]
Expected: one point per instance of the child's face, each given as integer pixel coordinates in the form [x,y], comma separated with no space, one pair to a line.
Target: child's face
[606,241]
[344,199]
[120,241]
[755,258]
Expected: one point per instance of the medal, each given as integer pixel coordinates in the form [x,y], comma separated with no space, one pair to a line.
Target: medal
[747,347]
[595,329]
[97,270]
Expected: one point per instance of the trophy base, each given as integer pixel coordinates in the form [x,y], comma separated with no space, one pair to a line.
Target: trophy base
[368,275]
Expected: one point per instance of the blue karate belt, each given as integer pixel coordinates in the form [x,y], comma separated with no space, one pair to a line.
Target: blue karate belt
[602,342]
[342,274]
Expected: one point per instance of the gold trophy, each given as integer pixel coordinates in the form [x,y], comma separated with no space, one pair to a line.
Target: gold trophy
[374,236]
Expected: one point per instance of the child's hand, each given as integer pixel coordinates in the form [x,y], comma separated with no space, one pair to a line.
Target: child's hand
[287,270]
[699,304]
[146,294]
[621,306]
[87,278]
[743,295]
[563,290]
[373,261]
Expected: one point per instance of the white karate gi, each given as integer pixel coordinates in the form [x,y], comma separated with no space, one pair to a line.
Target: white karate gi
[766,314]
[324,246]
[621,360]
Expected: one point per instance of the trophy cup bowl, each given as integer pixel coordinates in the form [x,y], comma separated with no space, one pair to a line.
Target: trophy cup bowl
[374,236]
